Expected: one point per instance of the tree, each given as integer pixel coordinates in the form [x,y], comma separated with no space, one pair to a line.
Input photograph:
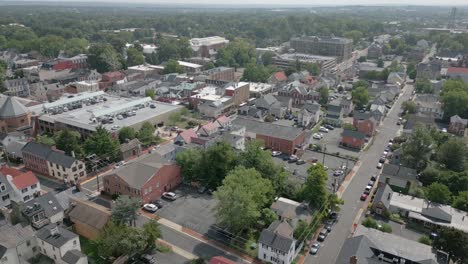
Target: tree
[417,148]
[198,261]
[268,216]
[323,98]
[315,189]
[454,242]
[125,210]
[255,73]
[334,202]
[146,134]
[268,58]
[134,57]
[210,65]
[461,201]
[237,53]
[184,48]
[104,58]
[45,139]
[411,70]
[409,107]
[190,164]
[217,161]
[70,142]
[243,190]
[455,98]
[453,154]
[425,240]
[150,93]
[172,66]
[360,96]
[50,46]
[355,35]
[153,232]
[380,63]
[360,83]
[438,193]
[126,133]
[102,144]
[75,46]
[362,59]
[313,68]
[423,85]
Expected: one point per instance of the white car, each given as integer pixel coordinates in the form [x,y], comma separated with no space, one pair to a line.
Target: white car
[323,129]
[169,196]
[120,164]
[379,166]
[115,127]
[150,207]
[317,136]
[275,153]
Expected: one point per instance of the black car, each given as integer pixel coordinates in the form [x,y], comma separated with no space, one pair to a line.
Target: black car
[300,162]
[158,203]
[334,215]
[328,228]
[330,127]
[373,177]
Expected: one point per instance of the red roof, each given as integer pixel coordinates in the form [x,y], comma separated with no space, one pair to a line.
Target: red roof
[10,171]
[223,119]
[280,76]
[209,127]
[220,260]
[457,70]
[187,135]
[20,179]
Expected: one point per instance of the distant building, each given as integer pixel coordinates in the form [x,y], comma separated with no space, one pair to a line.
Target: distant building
[457,125]
[288,60]
[365,123]
[17,87]
[327,46]
[429,70]
[430,105]
[207,47]
[333,115]
[219,75]
[455,72]
[109,79]
[309,115]
[374,51]
[13,115]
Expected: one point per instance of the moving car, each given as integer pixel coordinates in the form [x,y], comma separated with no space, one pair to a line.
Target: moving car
[315,247]
[169,196]
[380,165]
[120,164]
[363,197]
[150,207]
[275,153]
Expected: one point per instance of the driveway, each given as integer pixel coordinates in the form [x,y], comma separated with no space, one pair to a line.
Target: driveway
[331,141]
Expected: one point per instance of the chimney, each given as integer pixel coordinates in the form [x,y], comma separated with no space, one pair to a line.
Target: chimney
[353,260]
[54,231]
[73,154]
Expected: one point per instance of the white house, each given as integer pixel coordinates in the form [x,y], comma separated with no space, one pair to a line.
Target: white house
[43,210]
[17,244]
[309,115]
[25,186]
[277,244]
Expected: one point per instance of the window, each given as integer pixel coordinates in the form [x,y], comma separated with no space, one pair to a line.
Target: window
[63,168]
[43,244]
[57,166]
[59,174]
[34,249]
[34,186]
[24,190]
[28,243]
[2,187]
[5,197]
[80,166]
[74,169]
[74,242]
[55,257]
[81,174]
[53,248]
[25,198]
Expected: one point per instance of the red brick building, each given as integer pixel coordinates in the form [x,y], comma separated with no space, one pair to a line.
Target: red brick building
[146,178]
[13,115]
[352,139]
[457,125]
[364,123]
[109,79]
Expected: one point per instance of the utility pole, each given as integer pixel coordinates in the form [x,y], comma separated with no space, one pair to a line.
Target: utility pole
[324,150]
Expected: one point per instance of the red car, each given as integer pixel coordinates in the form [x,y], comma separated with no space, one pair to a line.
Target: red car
[363,197]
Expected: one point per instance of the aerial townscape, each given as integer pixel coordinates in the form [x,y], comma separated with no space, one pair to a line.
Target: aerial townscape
[186,132]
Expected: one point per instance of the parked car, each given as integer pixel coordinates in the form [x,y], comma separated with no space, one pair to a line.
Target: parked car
[201,190]
[150,207]
[398,123]
[148,259]
[323,129]
[368,189]
[292,159]
[334,215]
[152,106]
[329,127]
[158,203]
[338,173]
[323,234]
[120,164]
[169,196]
[382,159]
[300,162]
[363,197]
[316,136]
[371,183]
[314,249]
[373,177]
[328,228]
[380,165]
[275,153]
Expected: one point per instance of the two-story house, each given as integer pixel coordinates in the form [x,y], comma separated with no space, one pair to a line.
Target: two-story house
[309,114]
[333,115]
[277,244]
[25,185]
[365,123]
[457,125]
[429,104]
[17,87]
[6,192]
[43,210]
[17,244]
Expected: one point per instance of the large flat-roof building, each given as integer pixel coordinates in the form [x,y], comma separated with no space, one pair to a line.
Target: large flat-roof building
[85,111]
[287,60]
[328,46]
[207,47]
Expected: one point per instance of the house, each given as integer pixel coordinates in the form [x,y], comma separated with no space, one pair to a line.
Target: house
[422,43]
[397,155]
[222,121]
[365,123]
[166,151]
[220,260]
[25,185]
[298,92]
[145,178]
[43,210]
[17,87]
[291,211]
[382,198]
[378,112]
[278,78]
[17,244]
[397,78]
[12,143]
[270,105]
[283,138]
[429,104]
[352,139]
[457,125]
[399,176]
[277,244]
[347,105]
[13,114]
[130,148]
[333,115]
[369,246]
[367,68]
[309,114]
[207,129]
[49,161]
[374,51]
[428,214]
[235,136]
[88,218]
[415,119]
[457,72]
[60,245]
[6,192]
[416,54]
[110,79]
[185,137]
[428,70]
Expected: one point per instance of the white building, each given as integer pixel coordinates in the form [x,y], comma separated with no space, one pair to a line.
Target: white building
[17,244]
[277,244]
[87,86]
[25,186]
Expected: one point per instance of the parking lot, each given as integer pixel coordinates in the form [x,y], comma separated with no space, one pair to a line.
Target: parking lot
[331,141]
[300,171]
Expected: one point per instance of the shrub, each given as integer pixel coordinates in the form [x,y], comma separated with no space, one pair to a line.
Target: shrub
[425,240]
[370,222]
[386,228]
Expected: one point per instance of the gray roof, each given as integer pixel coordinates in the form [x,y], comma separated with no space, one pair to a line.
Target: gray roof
[57,240]
[47,153]
[73,256]
[399,171]
[458,119]
[124,147]
[10,107]
[277,236]
[333,110]
[48,202]
[266,101]
[268,129]
[384,194]
[362,116]
[64,197]
[312,107]
[353,134]
[13,235]
[359,246]
[90,213]
[291,210]
[413,119]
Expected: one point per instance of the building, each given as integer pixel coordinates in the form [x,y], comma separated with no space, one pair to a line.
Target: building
[300,93]
[213,101]
[429,70]
[84,86]
[146,178]
[456,72]
[309,115]
[399,176]
[43,210]
[352,139]
[277,244]
[347,105]
[288,60]
[374,51]
[130,148]
[6,192]
[260,89]
[291,211]
[365,123]
[457,125]
[88,218]
[191,68]
[278,78]
[333,115]
[25,185]
[219,75]
[369,246]
[341,48]
[283,138]
[430,105]
[17,87]
[418,119]
[13,115]
[397,78]
[60,245]
[368,68]
[416,54]
[84,112]
[79,61]
[17,244]
[207,47]
[110,79]
[382,198]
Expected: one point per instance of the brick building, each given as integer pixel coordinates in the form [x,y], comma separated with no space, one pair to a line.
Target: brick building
[457,125]
[327,46]
[352,139]
[109,79]
[364,123]
[207,47]
[13,115]
[146,178]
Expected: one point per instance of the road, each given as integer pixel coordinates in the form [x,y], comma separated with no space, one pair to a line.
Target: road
[431,53]
[352,209]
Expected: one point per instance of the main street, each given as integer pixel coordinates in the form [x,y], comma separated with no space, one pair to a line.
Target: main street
[350,211]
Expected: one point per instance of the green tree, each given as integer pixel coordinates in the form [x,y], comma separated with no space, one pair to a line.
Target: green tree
[125,210]
[411,70]
[237,53]
[362,59]
[198,261]
[423,85]
[409,107]
[255,73]
[75,46]
[217,161]
[324,93]
[453,154]
[268,216]
[315,189]
[50,46]
[268,58]
[380,63]
[313,68]
[360,83]
[243,190]
[45,139]
[438,193]
[425,240]
[102,144]
[152,233]
[454,242]
[69,141]
[355,35]
[126,133]
[134,57]
[104,58]
[210,65]
[172,66]
[360,96]
[184,48]
[417,148]
[334,202]
[190,164]
[146,134]
[150,93]
[300,231]
[461,201]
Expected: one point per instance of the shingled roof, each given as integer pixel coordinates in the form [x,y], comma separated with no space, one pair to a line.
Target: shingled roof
[278,236]
[10,107]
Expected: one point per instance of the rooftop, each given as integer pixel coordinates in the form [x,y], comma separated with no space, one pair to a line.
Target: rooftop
[327,39]
[12,235]
[55,235]
[305,57]
[278,236]
[208,41]
[46,202]
[46,152]
[457,70]
[268,129]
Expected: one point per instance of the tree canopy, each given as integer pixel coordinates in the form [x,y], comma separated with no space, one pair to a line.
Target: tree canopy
[237,53]
[104,58]
[126,133]
[314,190]
[173,66]
[125,210]
[360,96]
[438,193]
[102,144]
[417,148]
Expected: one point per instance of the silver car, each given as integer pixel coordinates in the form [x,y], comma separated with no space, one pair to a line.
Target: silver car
[315,247]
